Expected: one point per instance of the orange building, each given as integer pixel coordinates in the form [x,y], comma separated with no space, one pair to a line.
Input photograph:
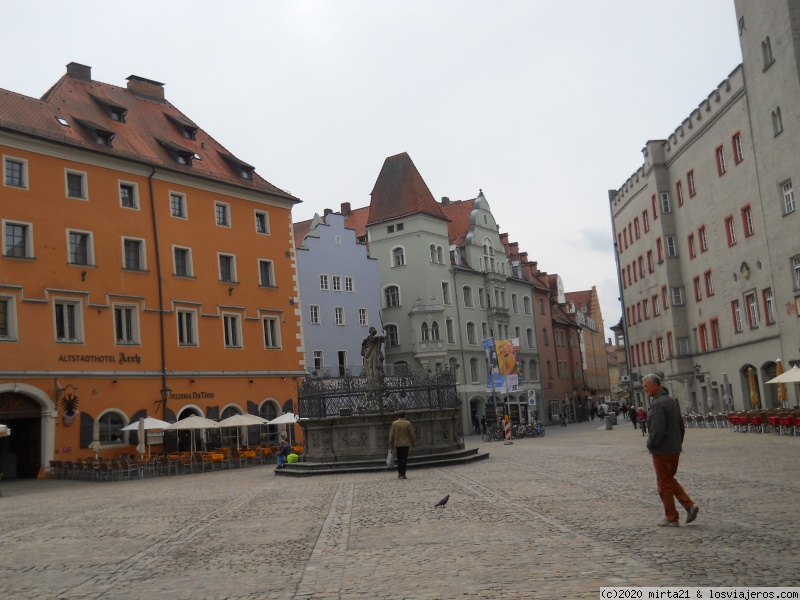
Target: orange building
[140,260]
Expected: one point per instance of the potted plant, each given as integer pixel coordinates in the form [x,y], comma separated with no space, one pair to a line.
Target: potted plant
[69,403]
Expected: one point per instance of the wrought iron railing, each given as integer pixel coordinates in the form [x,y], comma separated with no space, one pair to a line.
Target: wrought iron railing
[319,398]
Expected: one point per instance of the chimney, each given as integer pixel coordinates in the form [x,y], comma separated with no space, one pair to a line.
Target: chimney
[535,266]
[445,200]
[346,209]
[147,88]
[327,212]
[78,71]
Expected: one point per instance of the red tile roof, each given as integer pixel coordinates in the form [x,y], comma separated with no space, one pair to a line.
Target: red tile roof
[400,191]
[458,213]
[84,104]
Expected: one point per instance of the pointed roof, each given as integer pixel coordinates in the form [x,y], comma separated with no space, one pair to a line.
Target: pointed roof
[400,191]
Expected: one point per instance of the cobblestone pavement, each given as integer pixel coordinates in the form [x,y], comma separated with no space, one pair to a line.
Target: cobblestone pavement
[556,517]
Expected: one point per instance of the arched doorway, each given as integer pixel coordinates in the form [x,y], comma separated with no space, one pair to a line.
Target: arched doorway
[269,434]
[21,452]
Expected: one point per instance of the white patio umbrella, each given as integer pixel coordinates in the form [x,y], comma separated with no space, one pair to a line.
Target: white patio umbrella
[95,445]
[285,419]
[193,422]
[4,431]
[241,421]
[790,376]
[142,425]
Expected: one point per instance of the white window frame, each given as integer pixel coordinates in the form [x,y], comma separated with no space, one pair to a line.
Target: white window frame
[796,271]
[11,318]
[271,344]
[449,327]
[677,296]
[446,299]
[738,323]
[363,317]
[787,192]
[234,278]
[89,248]
[666,205]
[226,213]
[338,316]
[180,323]
[769,306]
[397,295]
[24,172]
[142,254]
[271,273]
[28,238]
[751,306]
[189,261]
[84,184]
[260,213]
[135,196]
[481,298]
[474,370]
[398,257]
[232,331]
[78,317]
[349,284]
[466,296]
[672,246]
[324,282]
[184,205]
[514,304]
[471,333]
[313,314]
[392,335]
[134,338]
[336,283]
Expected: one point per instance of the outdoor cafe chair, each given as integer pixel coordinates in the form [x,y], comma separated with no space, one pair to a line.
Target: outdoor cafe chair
[56,469]
[235,457]
[104,471]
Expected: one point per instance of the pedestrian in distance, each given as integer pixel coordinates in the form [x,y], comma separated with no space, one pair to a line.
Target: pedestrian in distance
[476,424]
[483,424]
[284,451]
[401,437]
[563,416]
[634,416]
[624,410]
[641,417]
[665,443]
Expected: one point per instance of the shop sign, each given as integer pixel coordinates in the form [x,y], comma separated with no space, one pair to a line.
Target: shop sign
[120,359]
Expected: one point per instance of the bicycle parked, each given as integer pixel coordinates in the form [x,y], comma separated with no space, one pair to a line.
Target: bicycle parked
[495,433]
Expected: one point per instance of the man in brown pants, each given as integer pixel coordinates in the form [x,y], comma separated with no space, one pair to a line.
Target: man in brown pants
[664,441]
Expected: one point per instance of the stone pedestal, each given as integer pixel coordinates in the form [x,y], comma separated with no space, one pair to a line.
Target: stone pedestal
[366,437]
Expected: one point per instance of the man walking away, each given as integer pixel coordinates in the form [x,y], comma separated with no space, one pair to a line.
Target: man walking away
[664,441]
[401,436]
[476,424]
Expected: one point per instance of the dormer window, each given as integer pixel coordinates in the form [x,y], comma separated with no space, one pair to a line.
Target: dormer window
[186,128]
[244,170]
[114,110]
[181,155]
[100,135]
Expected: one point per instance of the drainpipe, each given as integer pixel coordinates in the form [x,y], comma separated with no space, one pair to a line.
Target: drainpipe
[160,291]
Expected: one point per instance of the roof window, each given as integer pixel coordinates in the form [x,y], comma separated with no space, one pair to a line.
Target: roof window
[181,155]
[116,111]
[244,170]
[99,134]
[63,121]
[186,128]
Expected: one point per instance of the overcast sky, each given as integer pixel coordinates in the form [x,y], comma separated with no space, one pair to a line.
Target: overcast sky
[544,105]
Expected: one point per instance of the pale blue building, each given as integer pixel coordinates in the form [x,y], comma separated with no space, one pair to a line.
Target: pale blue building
[339,295]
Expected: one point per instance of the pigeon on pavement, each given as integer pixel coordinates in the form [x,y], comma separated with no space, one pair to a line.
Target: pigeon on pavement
[442,502]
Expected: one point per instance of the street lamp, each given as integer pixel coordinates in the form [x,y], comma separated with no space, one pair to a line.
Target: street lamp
[165,392]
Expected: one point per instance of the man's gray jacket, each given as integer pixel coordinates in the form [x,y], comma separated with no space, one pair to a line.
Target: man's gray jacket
[664,425]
